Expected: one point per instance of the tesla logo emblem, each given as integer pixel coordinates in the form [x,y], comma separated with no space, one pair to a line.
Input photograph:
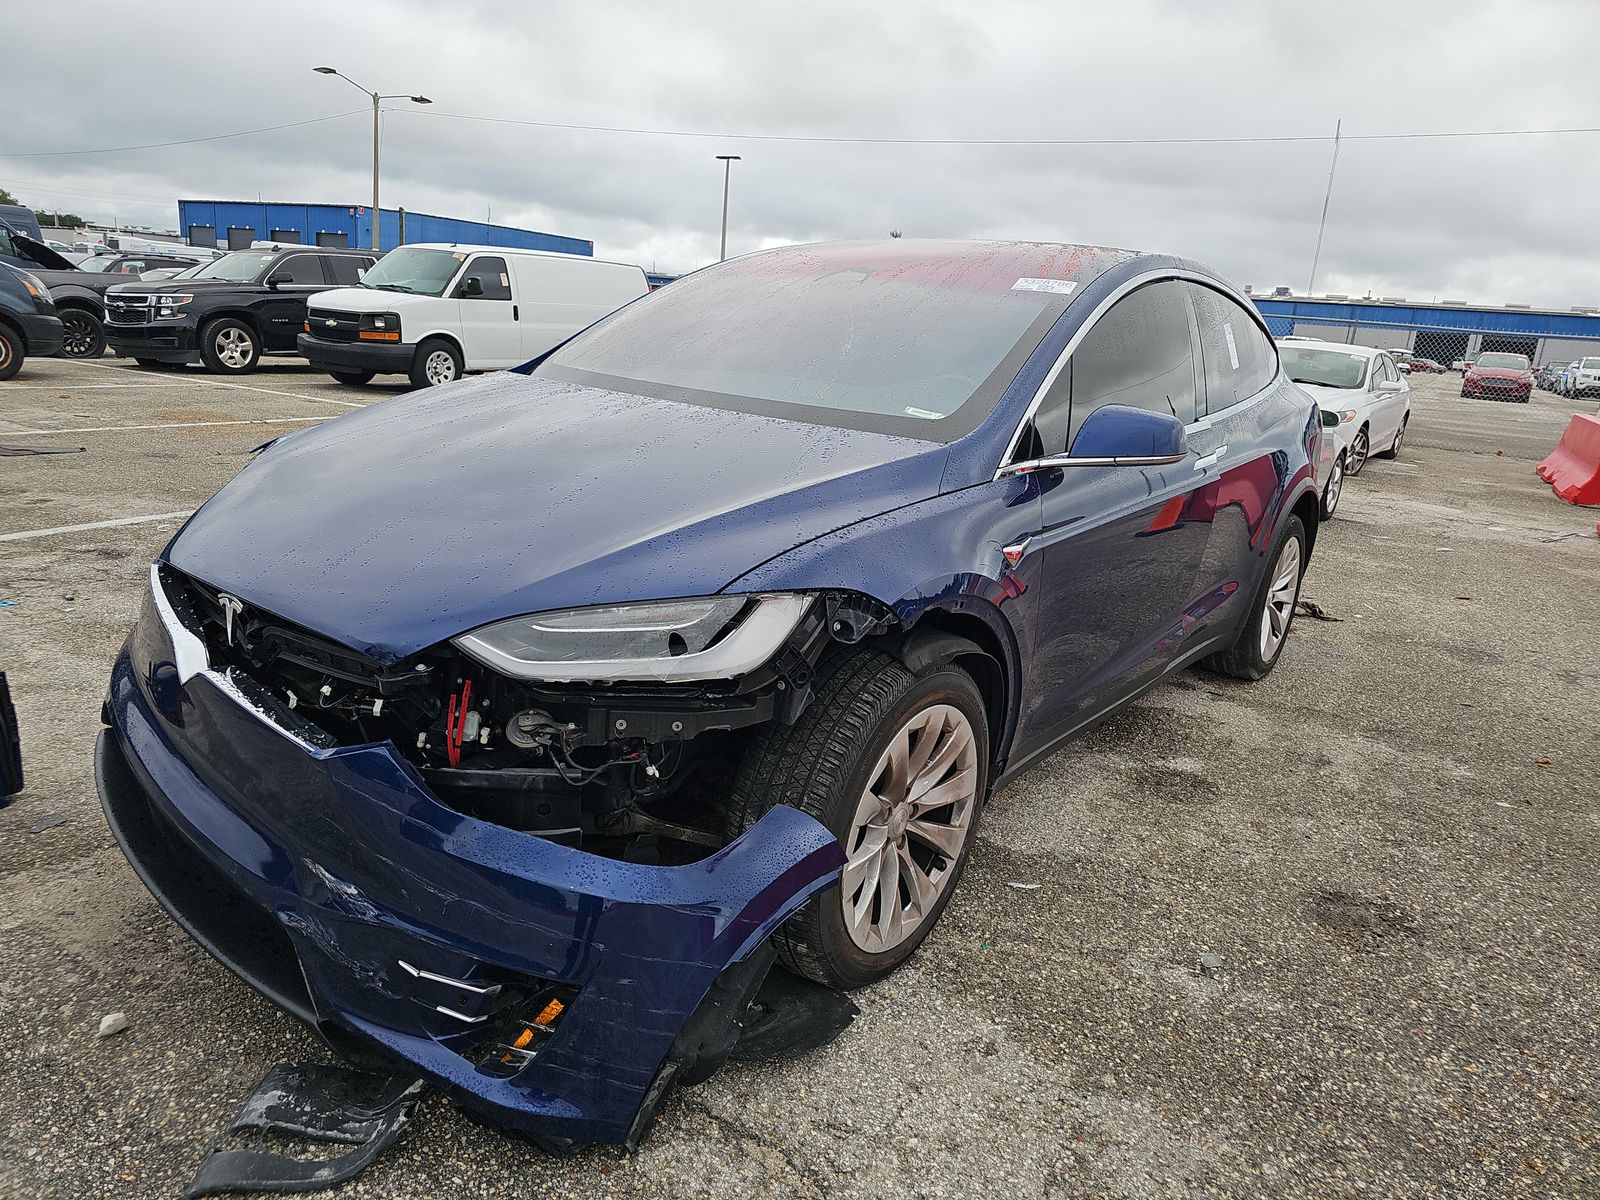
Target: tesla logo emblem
[232,606]
[330,322]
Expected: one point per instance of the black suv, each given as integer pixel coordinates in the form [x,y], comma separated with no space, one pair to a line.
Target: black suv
[231,311]
[28,321]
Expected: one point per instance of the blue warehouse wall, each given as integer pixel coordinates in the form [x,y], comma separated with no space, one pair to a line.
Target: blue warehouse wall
[351,225]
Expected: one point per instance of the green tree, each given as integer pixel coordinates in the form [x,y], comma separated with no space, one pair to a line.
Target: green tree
[7,198]
[62,220]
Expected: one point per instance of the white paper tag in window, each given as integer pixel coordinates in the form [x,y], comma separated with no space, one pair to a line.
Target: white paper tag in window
[1233,349]
[1029,284]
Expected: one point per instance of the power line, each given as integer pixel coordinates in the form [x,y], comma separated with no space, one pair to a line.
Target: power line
[915,141]
[215,137]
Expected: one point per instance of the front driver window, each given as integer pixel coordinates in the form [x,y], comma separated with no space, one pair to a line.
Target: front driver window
[492,276]
[1139,353]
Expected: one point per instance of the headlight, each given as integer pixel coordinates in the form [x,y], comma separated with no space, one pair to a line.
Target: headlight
[711,637]
[33,283]
[1347,415]
[379,327]
[170,304]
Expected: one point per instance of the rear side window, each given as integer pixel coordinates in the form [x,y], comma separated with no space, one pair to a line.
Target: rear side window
[300,269]
[1239,360]
[345,269]
[491,273]
[1139,353]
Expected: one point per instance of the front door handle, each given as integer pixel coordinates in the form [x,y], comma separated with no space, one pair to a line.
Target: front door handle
[1210,460]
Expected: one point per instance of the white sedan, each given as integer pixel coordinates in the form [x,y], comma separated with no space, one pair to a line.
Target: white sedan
[1367,393]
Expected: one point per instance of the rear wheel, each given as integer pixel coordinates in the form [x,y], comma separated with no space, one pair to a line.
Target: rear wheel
[436,362]
[895,764]
[230,347]
[1335,486]
[1399,436]
[353,378]
[12,353]
[1261,640]
[82,334]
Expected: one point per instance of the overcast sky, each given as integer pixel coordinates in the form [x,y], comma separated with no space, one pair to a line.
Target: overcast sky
[1488,219]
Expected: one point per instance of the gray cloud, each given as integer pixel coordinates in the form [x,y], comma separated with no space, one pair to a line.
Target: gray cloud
[1488,219]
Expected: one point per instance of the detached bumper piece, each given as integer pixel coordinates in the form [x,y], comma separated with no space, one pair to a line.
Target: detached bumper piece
[310,1102]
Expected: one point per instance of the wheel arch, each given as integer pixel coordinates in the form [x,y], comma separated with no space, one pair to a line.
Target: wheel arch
[971,641]
[243,315]
[85,300]
[1307,508]
[443,336]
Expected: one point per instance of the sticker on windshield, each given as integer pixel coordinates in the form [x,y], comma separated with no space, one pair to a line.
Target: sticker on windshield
[1233,349]
[1029,284]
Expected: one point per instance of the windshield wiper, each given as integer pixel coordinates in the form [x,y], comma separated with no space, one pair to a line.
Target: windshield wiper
[1312,382]
[393,287]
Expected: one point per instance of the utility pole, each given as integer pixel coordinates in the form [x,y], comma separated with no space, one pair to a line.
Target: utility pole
[375,97]
[727,169]
[1327,196]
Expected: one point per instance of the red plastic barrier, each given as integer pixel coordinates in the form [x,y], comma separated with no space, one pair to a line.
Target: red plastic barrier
[1574,468]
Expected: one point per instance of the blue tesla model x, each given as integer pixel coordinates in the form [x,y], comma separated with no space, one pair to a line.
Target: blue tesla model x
[512,731]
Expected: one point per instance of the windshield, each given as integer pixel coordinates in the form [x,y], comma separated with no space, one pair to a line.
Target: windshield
[1324,368]
[1590,364]
[412,269]
[241,266]
[899,339]
[1506,362]
[98,263]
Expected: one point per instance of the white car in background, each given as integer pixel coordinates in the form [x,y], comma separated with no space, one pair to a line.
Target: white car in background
[1365,390]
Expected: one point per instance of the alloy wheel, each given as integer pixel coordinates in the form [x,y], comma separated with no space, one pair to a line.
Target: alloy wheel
[77,334]
[1358,453]
[1282,592]
[910,827]
[440,367]
[1330,499]
[234,346]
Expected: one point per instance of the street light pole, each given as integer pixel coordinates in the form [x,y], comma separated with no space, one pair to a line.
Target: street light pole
[377,213]
[727,169]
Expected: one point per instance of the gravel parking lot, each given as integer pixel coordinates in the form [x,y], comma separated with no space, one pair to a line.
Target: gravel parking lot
[1332,934]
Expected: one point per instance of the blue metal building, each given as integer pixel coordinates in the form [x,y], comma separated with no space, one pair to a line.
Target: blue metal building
[1439,331]
[236,223]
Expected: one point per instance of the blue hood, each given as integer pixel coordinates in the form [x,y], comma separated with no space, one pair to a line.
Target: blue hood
[418,518]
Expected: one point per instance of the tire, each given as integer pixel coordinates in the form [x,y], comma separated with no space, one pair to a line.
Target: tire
[230,347]
[825,764]
[437,362]
[12,352]
[1399,436]
[1252,657]
[353,378]
[83,333]
[1360,449]
[1334,488]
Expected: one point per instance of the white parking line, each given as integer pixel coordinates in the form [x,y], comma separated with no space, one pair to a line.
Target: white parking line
[62,387]
[39,533]
[158,425]
[210,381]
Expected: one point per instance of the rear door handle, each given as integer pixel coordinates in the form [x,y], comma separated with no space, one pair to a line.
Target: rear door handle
[515,315]
[1210,460]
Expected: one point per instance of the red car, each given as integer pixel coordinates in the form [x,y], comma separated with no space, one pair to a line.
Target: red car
[1428,366]
[1497,376]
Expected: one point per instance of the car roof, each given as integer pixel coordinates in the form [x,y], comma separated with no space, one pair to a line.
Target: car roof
[1305,343]
[520,252]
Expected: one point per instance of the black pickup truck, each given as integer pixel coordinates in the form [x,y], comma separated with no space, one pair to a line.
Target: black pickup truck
[231,311]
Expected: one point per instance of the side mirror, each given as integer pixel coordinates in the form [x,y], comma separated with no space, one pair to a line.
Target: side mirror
[1117,436]
[1389,385]
[1329,418]
[279,278]
[1405,368]
[471,286]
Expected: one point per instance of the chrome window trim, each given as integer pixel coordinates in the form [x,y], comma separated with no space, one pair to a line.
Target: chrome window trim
[1007,467]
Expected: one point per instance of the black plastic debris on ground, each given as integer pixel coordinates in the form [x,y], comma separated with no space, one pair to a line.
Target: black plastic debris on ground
[10,747]
[315,1102]
[18,451]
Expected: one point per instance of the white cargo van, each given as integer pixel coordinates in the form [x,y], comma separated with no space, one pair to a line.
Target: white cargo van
[436,311]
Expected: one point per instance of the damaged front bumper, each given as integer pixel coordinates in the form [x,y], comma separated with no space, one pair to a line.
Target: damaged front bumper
[334,882]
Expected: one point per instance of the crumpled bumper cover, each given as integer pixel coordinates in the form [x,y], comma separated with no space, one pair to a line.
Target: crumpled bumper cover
[315,873]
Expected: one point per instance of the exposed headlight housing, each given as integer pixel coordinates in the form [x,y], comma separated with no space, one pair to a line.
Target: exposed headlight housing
[708,637]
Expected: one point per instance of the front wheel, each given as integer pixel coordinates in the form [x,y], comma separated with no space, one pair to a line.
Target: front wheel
[895,764]
[1399,436]
[1335,486]
[1261,640]
[230,347]
[1360,446]
[436,362]
[12,353]
[353,378]
[82,334]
